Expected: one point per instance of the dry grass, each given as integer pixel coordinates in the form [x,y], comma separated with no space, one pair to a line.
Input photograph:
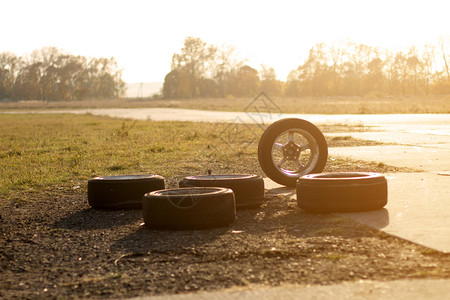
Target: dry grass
[66,150]
[38,151]
[306,105]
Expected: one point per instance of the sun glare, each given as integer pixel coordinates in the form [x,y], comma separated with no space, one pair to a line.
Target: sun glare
[143,35]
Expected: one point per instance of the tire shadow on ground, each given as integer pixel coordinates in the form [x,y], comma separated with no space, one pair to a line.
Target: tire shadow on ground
[288,191]
[378,219]
[89,219]
[285,198]
[145,240]
[280,214]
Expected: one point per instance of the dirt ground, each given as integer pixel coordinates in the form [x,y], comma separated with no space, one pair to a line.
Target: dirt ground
[62,248]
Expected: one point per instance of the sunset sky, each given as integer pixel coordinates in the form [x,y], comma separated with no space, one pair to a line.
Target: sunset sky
[143,35]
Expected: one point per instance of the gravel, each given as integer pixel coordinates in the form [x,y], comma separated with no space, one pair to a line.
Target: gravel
[55,246]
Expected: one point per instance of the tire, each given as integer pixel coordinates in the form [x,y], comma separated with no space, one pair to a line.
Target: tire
[189,208]
[342,192]
[248,189]
[291,148]
[122,192]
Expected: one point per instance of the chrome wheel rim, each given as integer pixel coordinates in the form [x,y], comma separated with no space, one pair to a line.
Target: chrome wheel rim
[295,152]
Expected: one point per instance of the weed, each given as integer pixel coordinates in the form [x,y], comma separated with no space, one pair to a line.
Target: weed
[158,148]
[430,252]
[116,168]
[341,138]
[381,165]
[124,130]
[330,256]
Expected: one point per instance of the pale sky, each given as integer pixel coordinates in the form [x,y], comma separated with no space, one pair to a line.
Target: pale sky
[143,35]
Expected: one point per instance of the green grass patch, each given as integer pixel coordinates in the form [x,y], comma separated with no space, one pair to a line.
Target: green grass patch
[55,150]
[330,256]
[67,150]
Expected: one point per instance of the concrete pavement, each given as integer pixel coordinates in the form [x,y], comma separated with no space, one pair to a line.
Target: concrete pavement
[422,149]
[429,289]
[434,159]
[417,208]
[418,203]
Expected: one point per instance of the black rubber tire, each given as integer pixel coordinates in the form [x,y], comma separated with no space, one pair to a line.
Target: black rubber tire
[248,189]
[304,132]
[122,192]
[342,192]
[189,208]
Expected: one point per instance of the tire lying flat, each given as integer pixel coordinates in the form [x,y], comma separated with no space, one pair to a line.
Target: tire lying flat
[122,192]
[189,208]
[342,192]
[291,148]
[248,189]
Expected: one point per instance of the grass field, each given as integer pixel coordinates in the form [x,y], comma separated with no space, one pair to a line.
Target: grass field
[38,151]
[307,105]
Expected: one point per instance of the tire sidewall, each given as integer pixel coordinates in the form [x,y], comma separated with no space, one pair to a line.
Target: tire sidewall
[319,193]
[210,210]
[248,189]
[122,192]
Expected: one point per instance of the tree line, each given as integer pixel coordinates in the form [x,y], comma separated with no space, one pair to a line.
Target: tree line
[203,70]
[50,74]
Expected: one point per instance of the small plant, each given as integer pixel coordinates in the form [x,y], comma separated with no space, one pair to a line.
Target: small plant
[116,168]
[124,130]
[429,251]
[330,256]
[341,138]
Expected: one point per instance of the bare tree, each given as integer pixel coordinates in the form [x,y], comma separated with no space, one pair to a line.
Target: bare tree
[444,56]
[9,66]
[269,82]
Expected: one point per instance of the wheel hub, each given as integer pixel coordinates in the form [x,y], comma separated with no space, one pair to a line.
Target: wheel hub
[291,151]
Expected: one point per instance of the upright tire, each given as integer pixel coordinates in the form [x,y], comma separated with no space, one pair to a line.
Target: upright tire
[122,192]
[291,148]
[342,192]
[189,208]
[248,189]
